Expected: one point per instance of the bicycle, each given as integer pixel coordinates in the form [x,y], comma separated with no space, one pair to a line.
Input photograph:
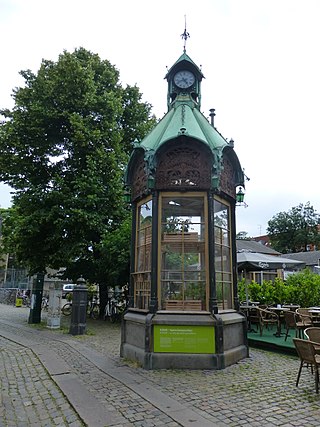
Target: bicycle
[114,309]
[110,310]
[45,303]
[26,300]
[67,309]
[93,309]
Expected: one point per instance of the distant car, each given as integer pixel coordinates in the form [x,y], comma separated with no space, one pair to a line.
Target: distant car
[67,289]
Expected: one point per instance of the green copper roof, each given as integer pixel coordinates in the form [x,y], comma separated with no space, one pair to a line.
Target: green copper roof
[183,119]
[187,59]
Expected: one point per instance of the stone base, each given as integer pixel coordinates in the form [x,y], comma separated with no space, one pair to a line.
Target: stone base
[171,340]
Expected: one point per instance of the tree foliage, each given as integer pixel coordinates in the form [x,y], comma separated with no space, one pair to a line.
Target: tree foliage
[243,235]
[293,231]
[63,148]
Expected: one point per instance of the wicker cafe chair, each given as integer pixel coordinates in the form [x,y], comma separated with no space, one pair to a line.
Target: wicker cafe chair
[254,318]
[313,334]
[304,316]
[307,354]
[290,320]
[266,318]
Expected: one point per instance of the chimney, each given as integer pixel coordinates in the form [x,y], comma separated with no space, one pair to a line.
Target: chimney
[212,114]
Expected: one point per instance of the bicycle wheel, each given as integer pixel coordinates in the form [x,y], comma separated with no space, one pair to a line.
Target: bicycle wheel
[106,312]
[95,311]
[67,309]
[88,312]
[113,314]
[44,304]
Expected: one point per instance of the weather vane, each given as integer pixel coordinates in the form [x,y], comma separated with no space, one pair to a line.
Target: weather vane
[185,35]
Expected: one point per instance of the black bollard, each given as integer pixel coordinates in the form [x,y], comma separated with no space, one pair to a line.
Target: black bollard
[36,299]
[79,308]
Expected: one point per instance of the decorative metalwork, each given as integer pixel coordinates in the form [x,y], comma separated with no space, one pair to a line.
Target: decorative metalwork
[183,166]
[185,35]
[139,179]
[142,290]
[227,178]
[183,114]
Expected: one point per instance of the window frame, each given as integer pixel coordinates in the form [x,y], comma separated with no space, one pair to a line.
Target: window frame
[174,194]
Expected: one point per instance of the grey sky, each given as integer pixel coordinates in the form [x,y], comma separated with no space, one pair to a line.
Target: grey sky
[259,57]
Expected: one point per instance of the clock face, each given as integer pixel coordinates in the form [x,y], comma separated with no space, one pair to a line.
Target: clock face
[184,79]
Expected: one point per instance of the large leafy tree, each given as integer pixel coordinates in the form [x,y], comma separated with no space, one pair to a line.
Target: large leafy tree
[63,149]
[294,230]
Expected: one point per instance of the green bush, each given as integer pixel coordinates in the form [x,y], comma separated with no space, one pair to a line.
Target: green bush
[301,288]
[304,287]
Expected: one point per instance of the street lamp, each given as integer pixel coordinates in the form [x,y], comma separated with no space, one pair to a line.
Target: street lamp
[240,196]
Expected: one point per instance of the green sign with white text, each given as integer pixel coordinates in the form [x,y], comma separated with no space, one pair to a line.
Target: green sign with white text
[184,339]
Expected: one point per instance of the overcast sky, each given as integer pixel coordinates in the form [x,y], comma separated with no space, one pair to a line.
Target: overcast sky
[260,59]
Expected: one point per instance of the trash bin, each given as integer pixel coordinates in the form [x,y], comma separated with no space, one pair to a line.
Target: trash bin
[19,302]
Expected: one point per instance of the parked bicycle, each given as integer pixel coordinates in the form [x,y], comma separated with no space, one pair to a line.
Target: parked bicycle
[45,303]
[114,309]
[25,297]
[93,308]
[67,309]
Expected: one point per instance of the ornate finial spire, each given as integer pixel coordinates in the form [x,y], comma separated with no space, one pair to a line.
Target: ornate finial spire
[185,35]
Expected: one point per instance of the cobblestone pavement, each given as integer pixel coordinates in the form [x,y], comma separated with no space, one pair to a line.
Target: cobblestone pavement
[50,378]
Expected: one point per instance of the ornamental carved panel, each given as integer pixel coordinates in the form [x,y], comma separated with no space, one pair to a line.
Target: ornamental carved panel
[139,178]
[184,166]
[227,178]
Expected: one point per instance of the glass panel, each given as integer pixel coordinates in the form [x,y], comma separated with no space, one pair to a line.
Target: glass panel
[226,261]
[224,295]
[183,277]
[142,276]
[223,267]
[141,259]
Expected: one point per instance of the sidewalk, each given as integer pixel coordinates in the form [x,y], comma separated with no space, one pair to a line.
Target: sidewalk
[50,378]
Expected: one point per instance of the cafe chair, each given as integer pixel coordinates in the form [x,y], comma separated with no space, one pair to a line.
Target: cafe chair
[304,316]
[313,334]
[290,320]
[267,318]
[307,354]
[253,317]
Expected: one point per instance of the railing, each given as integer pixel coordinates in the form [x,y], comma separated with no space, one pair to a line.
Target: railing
[14,278]
[8,296]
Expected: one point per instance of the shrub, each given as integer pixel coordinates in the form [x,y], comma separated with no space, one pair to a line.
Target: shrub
[301,288]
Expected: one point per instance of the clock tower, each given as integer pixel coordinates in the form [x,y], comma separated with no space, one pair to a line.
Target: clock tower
[182,178]
[184,82]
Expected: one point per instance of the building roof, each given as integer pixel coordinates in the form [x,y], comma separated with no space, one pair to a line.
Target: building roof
[310,258]
[252,246]
[184,119]
[184,59]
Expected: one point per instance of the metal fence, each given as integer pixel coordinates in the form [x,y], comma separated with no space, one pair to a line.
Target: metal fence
[14,278]
[8,296]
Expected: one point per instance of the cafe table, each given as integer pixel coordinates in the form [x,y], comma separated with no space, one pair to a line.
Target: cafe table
[292,307]
[279,310]
[315,315]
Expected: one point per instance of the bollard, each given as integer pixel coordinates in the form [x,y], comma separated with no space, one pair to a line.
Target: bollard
[54,309]
[36,299]
[79,309]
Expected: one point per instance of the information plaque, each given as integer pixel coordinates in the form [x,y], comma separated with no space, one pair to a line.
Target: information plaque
[184,339]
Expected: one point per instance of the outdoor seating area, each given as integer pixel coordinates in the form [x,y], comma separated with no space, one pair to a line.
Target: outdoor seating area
[280,318]
[308,358]
[292,331]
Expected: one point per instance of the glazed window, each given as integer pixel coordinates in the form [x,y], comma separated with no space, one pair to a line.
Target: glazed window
[142,273]
[223,267]
[182,255]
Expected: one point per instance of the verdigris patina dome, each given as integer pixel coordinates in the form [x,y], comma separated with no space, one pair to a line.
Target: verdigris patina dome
[184,150]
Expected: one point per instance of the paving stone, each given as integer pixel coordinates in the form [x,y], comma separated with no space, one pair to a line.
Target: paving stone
[258,391]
